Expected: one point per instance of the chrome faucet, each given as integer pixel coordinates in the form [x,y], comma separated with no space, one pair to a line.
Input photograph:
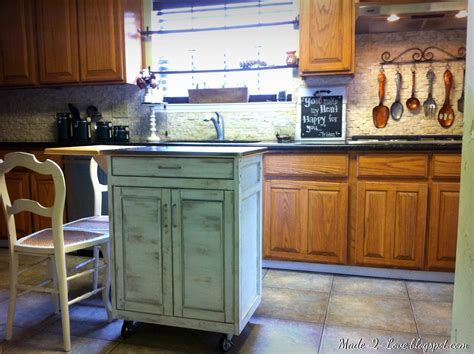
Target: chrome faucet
[218,124]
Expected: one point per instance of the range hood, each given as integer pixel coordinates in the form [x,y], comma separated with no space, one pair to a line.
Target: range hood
[415,16]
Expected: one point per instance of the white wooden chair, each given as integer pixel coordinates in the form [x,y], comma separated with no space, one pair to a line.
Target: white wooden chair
[50,244]
[97,222]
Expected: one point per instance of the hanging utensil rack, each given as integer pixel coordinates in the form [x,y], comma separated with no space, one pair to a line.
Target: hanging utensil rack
[428,55]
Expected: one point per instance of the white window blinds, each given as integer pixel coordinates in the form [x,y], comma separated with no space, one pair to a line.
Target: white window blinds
[220,38]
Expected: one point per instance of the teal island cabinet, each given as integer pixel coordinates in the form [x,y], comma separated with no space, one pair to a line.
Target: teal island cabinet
[185,226]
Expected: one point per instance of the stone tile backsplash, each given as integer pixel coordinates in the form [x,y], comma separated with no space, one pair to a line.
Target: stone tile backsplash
[29,114]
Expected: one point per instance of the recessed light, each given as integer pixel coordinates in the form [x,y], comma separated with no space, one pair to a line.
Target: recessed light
[461,14]
[393,18]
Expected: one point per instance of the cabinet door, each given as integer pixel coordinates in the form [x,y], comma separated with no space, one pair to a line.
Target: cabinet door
[42,190]
[444,208]
[18,186]
[285,219]
[306,220]
[203,269]
[17,44]
[142,250]
[327,222]
[391,224]
[327,31]
[57,41]
[101,40]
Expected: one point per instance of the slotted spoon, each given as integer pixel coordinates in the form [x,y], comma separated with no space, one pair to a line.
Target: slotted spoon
[429,106]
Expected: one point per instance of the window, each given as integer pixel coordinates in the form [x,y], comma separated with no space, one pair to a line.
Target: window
[207,43]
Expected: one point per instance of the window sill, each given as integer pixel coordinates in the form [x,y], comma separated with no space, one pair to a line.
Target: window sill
[227,107]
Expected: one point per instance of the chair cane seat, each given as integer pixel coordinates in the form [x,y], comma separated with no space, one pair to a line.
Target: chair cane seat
[44,238]
[92,223]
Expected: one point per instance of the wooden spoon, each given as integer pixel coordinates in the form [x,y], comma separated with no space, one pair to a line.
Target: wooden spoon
[381,113]
[413,103]
[446,113]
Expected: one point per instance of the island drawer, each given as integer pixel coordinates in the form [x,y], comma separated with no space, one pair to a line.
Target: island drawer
[320,165]
[446,165]
[173,167]
[393,165]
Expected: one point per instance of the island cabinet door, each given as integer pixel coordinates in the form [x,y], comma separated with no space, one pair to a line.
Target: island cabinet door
[391,224]
[143,250]
[203,277]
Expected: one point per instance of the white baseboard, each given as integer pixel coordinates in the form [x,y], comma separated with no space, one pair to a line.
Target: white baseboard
[442,277]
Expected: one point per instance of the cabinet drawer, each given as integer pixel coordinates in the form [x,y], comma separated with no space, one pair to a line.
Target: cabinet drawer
[399,165]
[322,165]
[446,165]
[173,167]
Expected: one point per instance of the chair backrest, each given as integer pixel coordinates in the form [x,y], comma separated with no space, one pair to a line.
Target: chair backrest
[98,187]
[48,167]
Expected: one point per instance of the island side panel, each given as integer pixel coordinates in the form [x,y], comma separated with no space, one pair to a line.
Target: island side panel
[249,230]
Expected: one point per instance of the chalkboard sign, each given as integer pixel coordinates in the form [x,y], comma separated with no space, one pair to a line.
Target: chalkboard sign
[322,116]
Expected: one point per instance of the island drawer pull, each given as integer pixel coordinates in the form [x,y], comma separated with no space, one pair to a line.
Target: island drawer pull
[169,167]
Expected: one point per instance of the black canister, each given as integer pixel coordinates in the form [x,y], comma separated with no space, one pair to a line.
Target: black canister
[64,127]
[103,132]
[121,133]
[82,131]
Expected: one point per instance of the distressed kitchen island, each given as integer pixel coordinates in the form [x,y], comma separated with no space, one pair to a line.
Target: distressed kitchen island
[185,227]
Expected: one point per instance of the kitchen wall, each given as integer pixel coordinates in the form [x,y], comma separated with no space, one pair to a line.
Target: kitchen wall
[29,114]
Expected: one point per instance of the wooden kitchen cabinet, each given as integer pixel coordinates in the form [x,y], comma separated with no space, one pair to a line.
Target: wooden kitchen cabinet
[306,220]
[57,41]
[444,211]
[101,28]
[327,35]
[26,184]
[17,44]
[391,224]
[18,185]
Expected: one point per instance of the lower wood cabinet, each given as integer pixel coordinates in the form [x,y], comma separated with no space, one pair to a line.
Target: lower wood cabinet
[306,220]
[26,184]
[18,184]
[443,228]
[391,224]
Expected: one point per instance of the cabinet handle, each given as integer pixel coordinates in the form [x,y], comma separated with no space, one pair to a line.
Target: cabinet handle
[169,167]
[172,214]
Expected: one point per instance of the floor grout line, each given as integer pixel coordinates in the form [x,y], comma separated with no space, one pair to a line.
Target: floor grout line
[412,310]
[325,315]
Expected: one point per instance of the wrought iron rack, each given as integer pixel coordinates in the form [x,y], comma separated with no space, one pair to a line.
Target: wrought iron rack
[426,55]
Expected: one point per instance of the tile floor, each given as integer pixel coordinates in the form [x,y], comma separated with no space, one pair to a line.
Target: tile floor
[299,313]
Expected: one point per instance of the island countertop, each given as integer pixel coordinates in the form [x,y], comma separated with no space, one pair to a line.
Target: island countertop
[160,150]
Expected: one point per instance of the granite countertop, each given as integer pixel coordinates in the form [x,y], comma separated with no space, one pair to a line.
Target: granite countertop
[190,151]
[360,145]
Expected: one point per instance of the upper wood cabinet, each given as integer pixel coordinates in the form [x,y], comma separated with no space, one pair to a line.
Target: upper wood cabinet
[57,41]
[17,44]
[101,38]
[327,32]
[76,41]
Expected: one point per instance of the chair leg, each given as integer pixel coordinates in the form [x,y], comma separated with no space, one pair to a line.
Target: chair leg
[95,282]
[106,292]
[61,272]
[54,277]
[13,293]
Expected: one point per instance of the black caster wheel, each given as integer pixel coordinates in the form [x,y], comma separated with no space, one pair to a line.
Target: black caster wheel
[225,343]
[127,329]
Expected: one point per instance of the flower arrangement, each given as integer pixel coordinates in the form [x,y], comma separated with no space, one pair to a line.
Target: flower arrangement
[148,81]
